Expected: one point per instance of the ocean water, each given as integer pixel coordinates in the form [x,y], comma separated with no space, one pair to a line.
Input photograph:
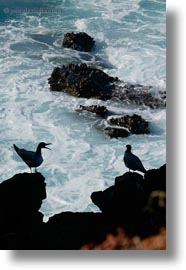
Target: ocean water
[130,43]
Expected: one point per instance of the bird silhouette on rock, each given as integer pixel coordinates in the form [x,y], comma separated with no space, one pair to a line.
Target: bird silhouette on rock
[31,158]
[131,161]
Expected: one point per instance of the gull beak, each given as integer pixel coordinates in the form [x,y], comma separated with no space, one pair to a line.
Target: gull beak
[47,147]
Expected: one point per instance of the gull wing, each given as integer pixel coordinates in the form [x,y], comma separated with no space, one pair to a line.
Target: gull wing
[26,155]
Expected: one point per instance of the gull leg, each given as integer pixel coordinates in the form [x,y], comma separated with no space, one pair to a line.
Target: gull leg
[35,170]
[30,169]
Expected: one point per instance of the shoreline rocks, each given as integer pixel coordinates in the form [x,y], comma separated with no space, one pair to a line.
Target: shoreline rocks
[134,203]
[137,203]
[20,220]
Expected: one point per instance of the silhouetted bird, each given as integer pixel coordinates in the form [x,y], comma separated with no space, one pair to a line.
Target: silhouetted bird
[32,159]
[131,161]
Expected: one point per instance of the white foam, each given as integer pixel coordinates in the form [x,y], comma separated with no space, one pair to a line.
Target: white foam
[83,159]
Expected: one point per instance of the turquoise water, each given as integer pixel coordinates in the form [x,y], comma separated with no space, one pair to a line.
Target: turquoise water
[130,43]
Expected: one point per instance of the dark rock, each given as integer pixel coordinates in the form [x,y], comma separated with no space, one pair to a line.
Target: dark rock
[134,202]
[103,199]
[135,123]
[155,179]
[82,81]
[78,41]
[116,132]
[153,215]
[119,126]
[20,199]
[69,230]
[99,110]
[140,95]
[125,196]
[88,82]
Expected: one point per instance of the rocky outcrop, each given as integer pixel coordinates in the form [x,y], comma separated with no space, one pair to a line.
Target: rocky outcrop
[82,81]
[117,126]
[70,230]
[20,220]
[133,203]
[88,82]
[137,203]
[78,41]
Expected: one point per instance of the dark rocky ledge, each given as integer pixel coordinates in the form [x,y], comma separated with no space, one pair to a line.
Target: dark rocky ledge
[78,41]
[134,202]
[88,82]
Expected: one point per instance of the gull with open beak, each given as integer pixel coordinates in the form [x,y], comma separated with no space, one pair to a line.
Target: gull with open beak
[31,158]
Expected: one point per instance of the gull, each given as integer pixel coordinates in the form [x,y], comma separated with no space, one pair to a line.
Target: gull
[31,158]
[131,161]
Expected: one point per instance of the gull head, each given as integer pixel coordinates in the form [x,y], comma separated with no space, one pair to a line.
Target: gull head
[44,145]
[129,147]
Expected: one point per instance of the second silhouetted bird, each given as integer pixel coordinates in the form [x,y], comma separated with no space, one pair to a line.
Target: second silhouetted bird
[131,161]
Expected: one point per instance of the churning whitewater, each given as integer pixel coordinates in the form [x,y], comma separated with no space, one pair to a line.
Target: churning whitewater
[130,44]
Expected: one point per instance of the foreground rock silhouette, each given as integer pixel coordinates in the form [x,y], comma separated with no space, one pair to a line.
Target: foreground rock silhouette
[20,220]
[134,203]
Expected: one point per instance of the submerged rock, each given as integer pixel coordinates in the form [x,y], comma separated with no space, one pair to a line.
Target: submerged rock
[135,123]
[119,126]
[78,41]
[116,132]
[140,95]
[98,110]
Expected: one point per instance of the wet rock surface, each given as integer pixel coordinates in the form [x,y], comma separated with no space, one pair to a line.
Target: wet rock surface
[82,81]
[98,110]
[140,95]
[135,123]
[78,41]
[89,82]
[116,132]
[119,125]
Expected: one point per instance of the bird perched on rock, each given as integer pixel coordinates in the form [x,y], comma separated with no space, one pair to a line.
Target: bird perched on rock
[31,158]
[131,161]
